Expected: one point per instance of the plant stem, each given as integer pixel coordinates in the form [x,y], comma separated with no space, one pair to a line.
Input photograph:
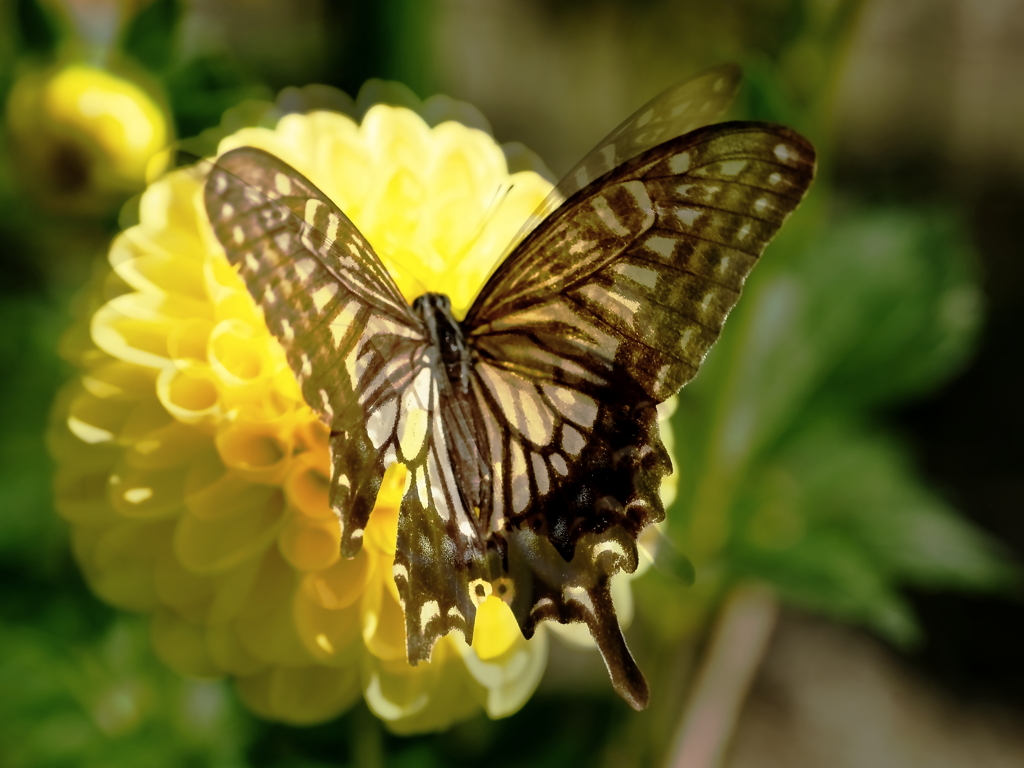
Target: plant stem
[738,643]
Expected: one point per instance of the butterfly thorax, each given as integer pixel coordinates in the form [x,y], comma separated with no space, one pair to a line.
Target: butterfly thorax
[446,336]
[470,462]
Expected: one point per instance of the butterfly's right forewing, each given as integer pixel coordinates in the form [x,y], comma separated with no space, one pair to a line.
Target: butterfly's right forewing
[605,310]
[685,107]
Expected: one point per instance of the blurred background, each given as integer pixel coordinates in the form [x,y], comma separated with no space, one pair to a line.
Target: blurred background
[850,459]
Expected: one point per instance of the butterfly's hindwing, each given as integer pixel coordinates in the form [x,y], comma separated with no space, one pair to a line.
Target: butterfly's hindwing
[685,107]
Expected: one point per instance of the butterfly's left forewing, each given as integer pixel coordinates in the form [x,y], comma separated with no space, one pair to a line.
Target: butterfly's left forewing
[364,363]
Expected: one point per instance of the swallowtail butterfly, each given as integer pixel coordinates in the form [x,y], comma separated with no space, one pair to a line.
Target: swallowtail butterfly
[529,428]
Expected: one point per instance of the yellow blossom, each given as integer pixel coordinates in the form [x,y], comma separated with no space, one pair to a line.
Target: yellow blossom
[195,478]
[85,137]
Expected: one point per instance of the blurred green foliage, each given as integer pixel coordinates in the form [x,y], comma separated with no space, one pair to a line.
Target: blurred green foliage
[788,473]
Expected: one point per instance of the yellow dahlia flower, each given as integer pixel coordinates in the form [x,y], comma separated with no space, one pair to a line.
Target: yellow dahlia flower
[84,137]
[195,478]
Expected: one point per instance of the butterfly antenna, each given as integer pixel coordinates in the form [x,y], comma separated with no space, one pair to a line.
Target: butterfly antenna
[497,198]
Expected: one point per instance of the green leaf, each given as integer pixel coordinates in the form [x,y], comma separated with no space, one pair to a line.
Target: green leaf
[837,521]
[109,703]
[30,533]
[895,306]
[38,31]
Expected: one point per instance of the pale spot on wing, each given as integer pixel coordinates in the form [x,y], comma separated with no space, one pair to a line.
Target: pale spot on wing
[558,464]
[238,235]
[706,303]
[283,241]
[323,295]
[326,400]
[499,389]
[678,109]
[283,184]
[761,205]
[645,118]
[784,153]
[679,163]
[269,297]
[307,367]
[412,423]
[544,602]
[659,379]
[381,423]
[428,612]
[582,178]
[438,499]
[743,232]
[607,215]
[663,246]
[580,246]
[684,339]
[619,305]
[687,215]
[399,571]
[572,593]
[333,223]
[419,478]
[304,268]
[251,263]
[454,613]
[227,211]
[540,473]
[309,213]
[610,545]
[572,440]
[575,406]
[732,167]
[286,330]
[220,183]
[537,423]
[643,275]
[775,178]
[342,322]
[520,480]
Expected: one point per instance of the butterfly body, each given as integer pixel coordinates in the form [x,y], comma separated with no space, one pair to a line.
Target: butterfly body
[529,429]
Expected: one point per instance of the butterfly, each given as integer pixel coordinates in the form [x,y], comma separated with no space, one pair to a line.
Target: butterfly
[529,428]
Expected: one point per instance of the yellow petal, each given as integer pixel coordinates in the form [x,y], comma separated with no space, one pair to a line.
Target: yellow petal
[495,630]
